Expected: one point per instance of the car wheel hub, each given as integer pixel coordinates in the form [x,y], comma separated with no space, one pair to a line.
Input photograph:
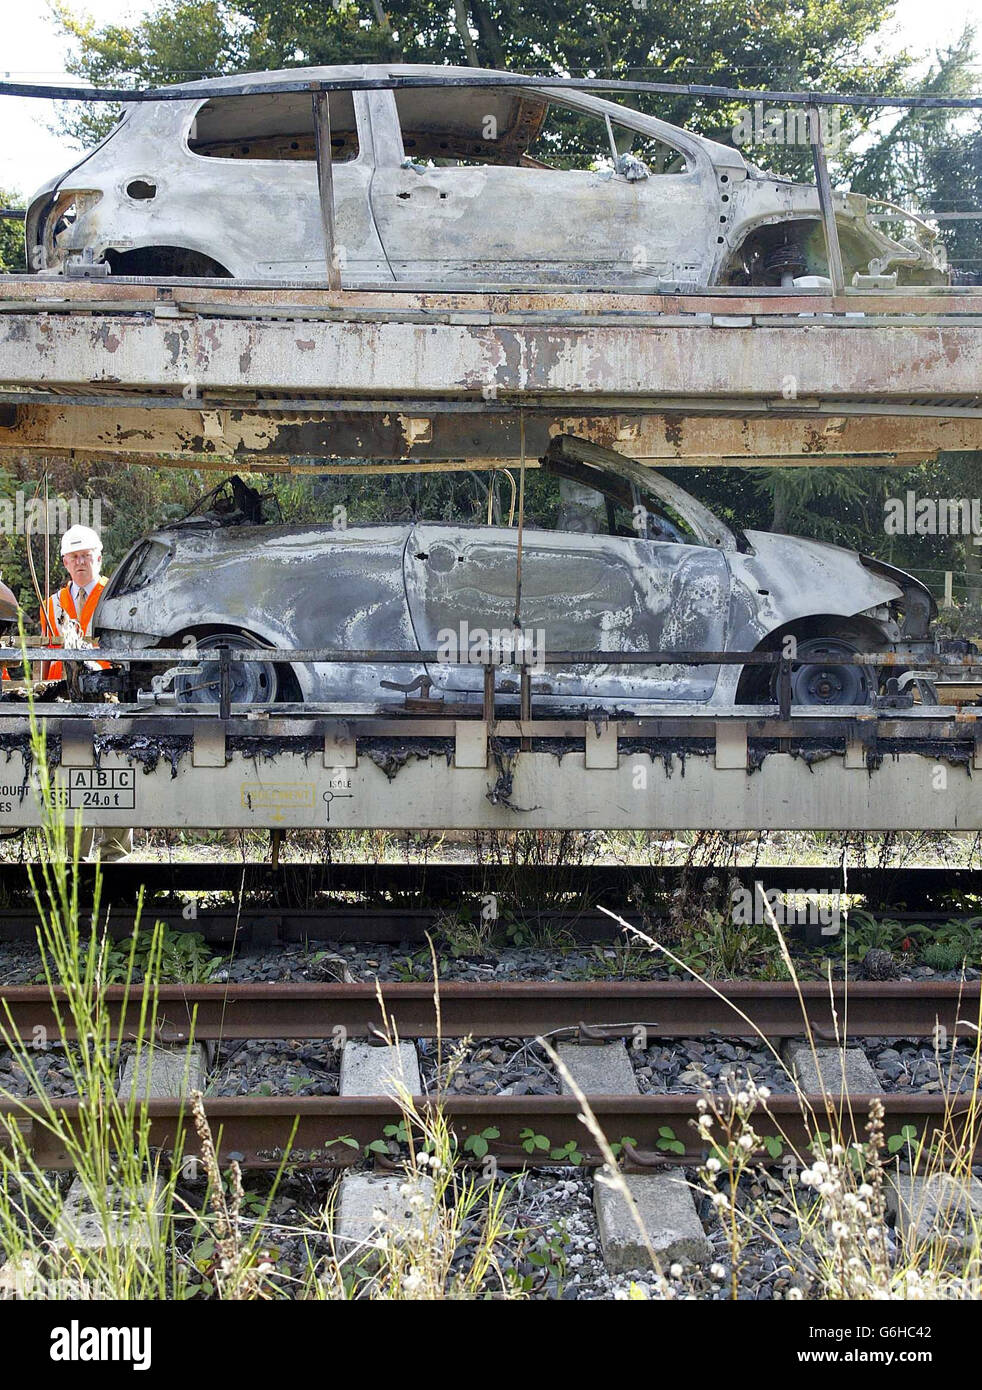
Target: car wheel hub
[251,682]
[821,682]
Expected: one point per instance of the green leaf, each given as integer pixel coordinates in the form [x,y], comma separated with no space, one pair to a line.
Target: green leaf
[906,1137]
[666,1140]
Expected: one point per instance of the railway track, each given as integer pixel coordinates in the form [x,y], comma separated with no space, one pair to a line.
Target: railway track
[335,1131]
[589,1011]
[330,1131]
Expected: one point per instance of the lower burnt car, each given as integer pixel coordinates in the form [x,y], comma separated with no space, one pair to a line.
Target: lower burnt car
[8,611]
[664,574]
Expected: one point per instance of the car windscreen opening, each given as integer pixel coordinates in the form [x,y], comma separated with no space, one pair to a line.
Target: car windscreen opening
[277,126]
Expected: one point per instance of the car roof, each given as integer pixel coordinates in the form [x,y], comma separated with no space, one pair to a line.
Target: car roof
[721,154]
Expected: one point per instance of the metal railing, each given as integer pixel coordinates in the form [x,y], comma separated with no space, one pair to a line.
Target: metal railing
[226,657]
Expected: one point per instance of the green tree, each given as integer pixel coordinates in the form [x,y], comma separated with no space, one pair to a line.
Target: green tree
[912,151]
[954,177]
[814,44]
[11,235]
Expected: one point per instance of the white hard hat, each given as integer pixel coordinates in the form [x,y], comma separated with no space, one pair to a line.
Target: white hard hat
[80,538]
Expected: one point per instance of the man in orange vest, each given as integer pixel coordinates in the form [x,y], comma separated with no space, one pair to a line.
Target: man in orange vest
[81,551]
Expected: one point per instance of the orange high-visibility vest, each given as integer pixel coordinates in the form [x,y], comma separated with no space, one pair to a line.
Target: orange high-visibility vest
[52,671]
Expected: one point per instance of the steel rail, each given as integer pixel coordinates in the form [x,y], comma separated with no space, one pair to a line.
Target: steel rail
[502,654]
[205,88]
[333,1131]
[592,1010]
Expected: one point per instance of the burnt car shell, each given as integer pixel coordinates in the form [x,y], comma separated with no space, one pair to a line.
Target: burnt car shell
[403,587]
[201,185]
[8,609]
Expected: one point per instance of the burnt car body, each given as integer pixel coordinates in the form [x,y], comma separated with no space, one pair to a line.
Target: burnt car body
[665,575]
[8,610]
[445,183]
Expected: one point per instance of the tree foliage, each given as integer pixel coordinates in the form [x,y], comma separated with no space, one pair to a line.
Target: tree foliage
[900,161]
[11,236]
[810,45]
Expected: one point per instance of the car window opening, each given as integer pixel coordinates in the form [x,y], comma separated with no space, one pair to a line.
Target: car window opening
[460,127]
[573,139]
[278,126]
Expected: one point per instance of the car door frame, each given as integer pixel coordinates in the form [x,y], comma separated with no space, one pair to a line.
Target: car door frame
[390,155]
[241,241]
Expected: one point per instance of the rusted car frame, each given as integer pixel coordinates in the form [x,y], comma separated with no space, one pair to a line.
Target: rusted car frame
[667,576]
[446,183]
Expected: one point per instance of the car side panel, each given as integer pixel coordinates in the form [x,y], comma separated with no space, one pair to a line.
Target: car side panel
[572,227]
[260,218]
[579,593]
[317,587]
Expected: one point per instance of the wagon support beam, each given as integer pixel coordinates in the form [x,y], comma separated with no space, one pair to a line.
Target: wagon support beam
[233,383]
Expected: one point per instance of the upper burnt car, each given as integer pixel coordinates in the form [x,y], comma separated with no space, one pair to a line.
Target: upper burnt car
[445,183]
[663,574]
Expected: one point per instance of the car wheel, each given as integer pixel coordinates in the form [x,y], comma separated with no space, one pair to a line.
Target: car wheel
[817,679]
[253,682]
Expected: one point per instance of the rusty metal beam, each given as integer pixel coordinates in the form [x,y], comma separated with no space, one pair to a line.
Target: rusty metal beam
[141,293]
[210,376]
[560,366]
[664,1009]
[218,438]
[313,1131]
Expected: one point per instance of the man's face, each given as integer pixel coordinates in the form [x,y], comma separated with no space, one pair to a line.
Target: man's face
[83,567]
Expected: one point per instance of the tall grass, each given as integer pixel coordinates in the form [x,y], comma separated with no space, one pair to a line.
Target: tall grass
[831,1216]
[116,1221]
[107,1225]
